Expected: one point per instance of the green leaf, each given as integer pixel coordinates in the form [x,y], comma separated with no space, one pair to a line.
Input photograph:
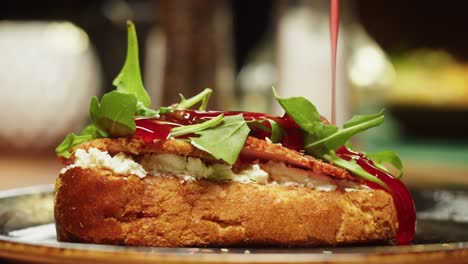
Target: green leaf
[305,114]
[354,126]
[71,140]
[319,149]
[68,143]
[164,110]
[224,141]
[116,114]
[301,110]
[353,168]
[321,139]
[276,132]
[381,159]
[145,111]
[93,109]
[93,131]
[274,129]
[183,130]
[129,79]
[358,120]
[93,114]
[204,96]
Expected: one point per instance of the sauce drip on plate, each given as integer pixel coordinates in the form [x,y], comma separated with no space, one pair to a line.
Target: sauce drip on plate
[404,205]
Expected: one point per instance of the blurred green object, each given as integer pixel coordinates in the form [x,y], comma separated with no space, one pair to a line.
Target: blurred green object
[427,161]
[425,120]
[429,98]
[430,78]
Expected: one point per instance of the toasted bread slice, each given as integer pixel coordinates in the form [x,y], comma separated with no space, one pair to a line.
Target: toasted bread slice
[97,206]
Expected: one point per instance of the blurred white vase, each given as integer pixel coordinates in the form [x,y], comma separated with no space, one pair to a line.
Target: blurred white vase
[304,56]
[48,72]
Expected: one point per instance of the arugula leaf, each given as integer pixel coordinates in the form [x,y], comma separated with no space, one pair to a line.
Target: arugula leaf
[72,140]
[93,114]
[115,114]
[204,96]
[129,79]
[354,126]
[224,141]
[145,111]
[358,120]
[69,142]
[93,109]
[93,131]
[164,110]
[321,139]
[352,167]
[112,117]
[276,133]
[387,156]
[305,114]
[183,130]
[301,110]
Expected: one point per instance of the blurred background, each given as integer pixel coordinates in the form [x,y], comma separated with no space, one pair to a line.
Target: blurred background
[409,57]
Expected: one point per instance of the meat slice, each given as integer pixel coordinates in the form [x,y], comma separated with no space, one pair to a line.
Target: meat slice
[264,150]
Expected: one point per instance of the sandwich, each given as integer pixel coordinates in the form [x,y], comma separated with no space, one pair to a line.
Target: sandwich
[183,177]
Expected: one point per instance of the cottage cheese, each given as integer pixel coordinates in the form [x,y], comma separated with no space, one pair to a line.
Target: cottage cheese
[119,164]
[190,169]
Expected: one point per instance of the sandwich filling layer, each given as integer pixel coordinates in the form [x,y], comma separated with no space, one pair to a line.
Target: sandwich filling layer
[192,168]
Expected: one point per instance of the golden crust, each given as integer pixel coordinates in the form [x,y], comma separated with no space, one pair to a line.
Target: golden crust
[96,206]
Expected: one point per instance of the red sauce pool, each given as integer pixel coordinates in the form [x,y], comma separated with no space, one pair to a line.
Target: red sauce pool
[158,128]
[151,129]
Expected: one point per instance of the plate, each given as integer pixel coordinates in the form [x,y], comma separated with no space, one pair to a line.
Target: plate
[27,233]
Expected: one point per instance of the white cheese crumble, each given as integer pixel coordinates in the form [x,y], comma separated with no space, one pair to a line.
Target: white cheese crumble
[190,169]
[95,158]
[289,176]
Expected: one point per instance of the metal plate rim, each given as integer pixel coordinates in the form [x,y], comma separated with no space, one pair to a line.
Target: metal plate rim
[10,247]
